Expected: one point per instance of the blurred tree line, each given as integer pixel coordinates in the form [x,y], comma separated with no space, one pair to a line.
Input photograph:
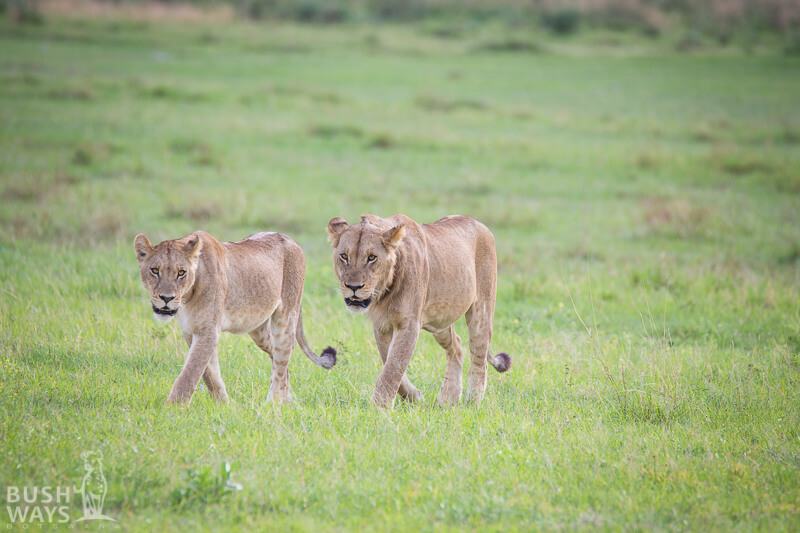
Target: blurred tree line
[717,18]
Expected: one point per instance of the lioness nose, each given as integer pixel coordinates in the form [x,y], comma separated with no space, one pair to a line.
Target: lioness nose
[353,288]
[167,299]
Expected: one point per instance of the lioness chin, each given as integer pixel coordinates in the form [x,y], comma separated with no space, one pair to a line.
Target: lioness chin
[407,277]
[252,286]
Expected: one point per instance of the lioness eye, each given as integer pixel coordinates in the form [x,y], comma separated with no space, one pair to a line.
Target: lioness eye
[371,258]
[181,273]
[343,256]
[154,271]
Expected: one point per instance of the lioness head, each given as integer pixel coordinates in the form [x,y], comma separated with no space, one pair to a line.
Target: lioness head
[168,271]
[363,259]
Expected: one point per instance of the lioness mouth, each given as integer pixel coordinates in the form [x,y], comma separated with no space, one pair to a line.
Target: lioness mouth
[164,311]
[358,303]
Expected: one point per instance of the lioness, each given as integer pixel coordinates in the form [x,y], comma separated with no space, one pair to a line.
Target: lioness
[408,277]
[252,286]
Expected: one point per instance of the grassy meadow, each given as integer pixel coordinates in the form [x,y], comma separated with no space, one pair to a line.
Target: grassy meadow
[646,208]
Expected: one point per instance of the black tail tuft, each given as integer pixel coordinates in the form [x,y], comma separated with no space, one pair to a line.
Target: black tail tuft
[328,357]
[502,362]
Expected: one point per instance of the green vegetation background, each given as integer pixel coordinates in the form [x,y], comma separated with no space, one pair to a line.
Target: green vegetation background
[650,194]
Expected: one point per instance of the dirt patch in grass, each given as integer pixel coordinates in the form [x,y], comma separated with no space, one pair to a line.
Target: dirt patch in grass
[199,153]
[737,162]
[435,103]
[169,92]
[381,141]
[70,93]
[87,154]
[195,211]
[647,159]
[27,188]
[329,131]
[675,217]
[511,45]
[104,224]
[291,92]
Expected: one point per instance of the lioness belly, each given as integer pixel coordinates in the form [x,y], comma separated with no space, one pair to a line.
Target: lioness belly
[242,322]
[439,315]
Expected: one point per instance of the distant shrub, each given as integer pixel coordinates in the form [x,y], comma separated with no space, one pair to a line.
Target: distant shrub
[398,10]
[691,40]
[628,14]
[82,157]
[258,9]
[793,43]
[22,11]
[561,21]
[308,11]
[316,12]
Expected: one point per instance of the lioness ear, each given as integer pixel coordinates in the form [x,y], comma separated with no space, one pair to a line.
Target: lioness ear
[192,247]
[393,237]
[336,227]
[142,246]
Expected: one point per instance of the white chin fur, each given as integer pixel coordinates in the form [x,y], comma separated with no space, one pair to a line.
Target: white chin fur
[356,309]
[163,318]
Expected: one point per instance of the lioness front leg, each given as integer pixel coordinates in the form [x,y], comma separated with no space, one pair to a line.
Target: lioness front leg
[212,376]
[400,351]
[407,390]
[201,352]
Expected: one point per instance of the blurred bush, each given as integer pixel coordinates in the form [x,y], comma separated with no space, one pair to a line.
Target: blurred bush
[22,11]
[561,21]
[716,19]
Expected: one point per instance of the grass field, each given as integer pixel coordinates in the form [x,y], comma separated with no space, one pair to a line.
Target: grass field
[651,195]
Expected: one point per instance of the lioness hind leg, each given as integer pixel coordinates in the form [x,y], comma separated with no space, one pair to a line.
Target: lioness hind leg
[479,321]
[263,338]
[279,389]
[283,326]
[451,387]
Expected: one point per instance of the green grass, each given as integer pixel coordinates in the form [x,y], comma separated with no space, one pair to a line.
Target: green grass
[653,195]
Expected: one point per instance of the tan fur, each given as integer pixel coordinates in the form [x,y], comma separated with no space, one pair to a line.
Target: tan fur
[409,277]
[252,286]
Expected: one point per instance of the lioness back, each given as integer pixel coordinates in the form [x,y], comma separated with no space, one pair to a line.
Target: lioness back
[264,267]
[459,250]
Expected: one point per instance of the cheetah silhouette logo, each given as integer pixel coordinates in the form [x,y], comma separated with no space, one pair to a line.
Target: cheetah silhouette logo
[94,487]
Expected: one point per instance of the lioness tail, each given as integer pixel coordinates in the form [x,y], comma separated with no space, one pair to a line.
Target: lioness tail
[501,362]
[327,359]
